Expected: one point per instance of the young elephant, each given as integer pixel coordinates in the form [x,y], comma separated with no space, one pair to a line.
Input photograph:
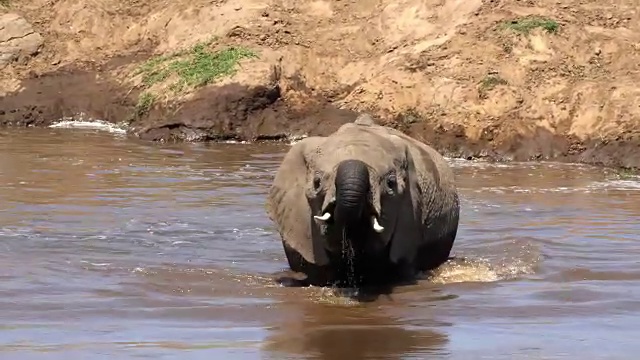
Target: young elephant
[366,205]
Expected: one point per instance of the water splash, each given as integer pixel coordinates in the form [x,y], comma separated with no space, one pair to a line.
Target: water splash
[293,139]
[71,123]
[465,270]
[480,270]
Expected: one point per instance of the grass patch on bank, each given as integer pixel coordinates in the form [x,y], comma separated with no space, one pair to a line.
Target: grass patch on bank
[527,24]
[183,71]
[488,83]
[491,81]
[192,68]
[628,173]
[145,103]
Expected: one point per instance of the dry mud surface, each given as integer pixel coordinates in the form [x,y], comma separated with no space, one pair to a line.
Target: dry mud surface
[474,78]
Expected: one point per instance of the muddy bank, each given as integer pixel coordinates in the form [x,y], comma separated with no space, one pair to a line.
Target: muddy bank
[262,113]
[502,80]
[229,112]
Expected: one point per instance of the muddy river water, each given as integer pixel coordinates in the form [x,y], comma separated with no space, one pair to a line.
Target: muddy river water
[115,248]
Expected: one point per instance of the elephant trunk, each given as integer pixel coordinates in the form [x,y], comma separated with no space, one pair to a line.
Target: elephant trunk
[352,189]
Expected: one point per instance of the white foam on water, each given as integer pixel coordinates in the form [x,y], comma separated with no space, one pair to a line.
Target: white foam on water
[243,142]
[290,140]
[70,123]
[597,186]
[460,163]
[629,184]
[533,165]
[296,138]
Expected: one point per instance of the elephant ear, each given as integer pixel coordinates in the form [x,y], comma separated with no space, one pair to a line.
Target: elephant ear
[408,231]
[435,202]
[287,204]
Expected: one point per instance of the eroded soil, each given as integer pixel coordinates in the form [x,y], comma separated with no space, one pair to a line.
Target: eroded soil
[501,79]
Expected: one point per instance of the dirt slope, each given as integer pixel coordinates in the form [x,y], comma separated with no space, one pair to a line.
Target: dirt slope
[475,78]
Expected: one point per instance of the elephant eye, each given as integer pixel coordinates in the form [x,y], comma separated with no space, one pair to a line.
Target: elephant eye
[392,181]
[317,182]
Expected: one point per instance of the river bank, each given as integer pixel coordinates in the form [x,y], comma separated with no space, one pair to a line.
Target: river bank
[502,80]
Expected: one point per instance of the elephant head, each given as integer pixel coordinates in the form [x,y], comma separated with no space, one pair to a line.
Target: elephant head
[355,191]
[358,190]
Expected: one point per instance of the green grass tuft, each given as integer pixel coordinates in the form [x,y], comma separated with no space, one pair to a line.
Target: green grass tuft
[182,71]
[628,173]
[490,82]
[145,102]
[526,25]
[194,67]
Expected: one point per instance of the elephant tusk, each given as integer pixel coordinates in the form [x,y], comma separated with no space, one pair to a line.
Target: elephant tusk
[324,217]
[376,225]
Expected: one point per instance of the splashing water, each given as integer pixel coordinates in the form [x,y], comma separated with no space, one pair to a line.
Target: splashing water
[348,254]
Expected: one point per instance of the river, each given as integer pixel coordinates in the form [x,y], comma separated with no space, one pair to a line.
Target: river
[116,248]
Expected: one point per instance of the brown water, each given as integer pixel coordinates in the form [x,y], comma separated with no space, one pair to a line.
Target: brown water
[114,248]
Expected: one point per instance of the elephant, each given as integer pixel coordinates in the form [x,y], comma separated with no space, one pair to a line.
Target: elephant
[365,205]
